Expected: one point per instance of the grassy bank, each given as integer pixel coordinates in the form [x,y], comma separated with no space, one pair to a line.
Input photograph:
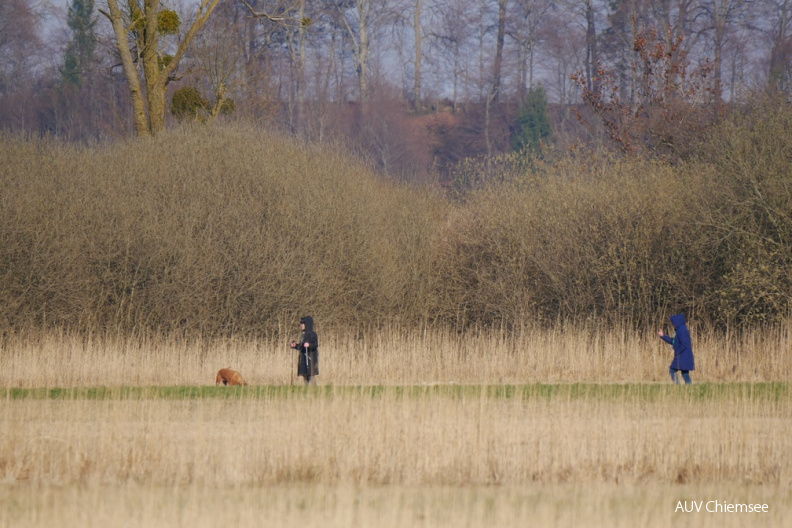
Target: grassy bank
[649,392]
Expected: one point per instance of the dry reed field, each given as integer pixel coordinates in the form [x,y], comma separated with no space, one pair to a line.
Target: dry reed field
[392,356]
[421,436]
[431,429]
[431,456]
[603,506]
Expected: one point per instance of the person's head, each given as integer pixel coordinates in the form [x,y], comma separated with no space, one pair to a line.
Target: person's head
[678,320]
[306,323]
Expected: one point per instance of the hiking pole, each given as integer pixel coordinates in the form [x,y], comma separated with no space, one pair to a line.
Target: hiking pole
[308,365]
[291,367]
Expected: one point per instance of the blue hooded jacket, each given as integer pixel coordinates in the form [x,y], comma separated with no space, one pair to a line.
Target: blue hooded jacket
[683,349]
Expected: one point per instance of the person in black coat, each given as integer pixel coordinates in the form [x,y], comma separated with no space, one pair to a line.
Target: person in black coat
[683,349]
[308,348]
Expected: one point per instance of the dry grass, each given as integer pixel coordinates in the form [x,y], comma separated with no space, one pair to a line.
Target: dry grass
[348,458]
[603,506]
[392,356]
[422,439]
[433,455]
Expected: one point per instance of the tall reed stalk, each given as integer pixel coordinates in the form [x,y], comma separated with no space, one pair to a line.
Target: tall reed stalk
[392,356]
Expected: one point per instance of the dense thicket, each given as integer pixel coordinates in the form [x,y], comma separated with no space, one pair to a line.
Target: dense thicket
[213,230]
[233,230]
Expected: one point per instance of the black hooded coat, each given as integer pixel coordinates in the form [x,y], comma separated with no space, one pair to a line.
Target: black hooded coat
[312,357]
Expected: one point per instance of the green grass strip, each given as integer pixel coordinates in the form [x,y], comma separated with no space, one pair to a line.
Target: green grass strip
[775,391]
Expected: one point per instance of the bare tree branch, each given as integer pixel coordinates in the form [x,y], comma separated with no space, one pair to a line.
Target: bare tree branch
[281,19]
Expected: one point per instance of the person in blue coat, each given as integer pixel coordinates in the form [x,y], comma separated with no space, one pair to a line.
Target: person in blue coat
[683,349]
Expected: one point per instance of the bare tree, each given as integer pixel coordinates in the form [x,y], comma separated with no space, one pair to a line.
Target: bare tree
[484,29]
[25,64]
[299,56]
[418,31]
[563,53]
[19,34]
[498,63]
[778,29]
[617,42]
[319,108]
[291,22]
[677,19]
[451,23]
[218,57]
[360,19]
[720,16]
[527,19]
[140,29]
[592,58]
[588,14]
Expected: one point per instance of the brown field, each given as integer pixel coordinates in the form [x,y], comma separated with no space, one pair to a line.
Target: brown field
[405,431]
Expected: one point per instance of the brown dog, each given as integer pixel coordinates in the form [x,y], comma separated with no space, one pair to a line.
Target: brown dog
[227,376]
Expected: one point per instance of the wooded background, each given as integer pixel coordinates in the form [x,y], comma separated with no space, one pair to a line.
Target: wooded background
[414,85]
[225,166]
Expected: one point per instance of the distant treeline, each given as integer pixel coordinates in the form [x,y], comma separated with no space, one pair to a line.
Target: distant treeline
[232,230]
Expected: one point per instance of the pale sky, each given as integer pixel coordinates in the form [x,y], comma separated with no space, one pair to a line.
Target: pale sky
[57,18]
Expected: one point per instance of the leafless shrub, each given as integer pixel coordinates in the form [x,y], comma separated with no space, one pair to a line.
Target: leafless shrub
[205,230]
[228,230]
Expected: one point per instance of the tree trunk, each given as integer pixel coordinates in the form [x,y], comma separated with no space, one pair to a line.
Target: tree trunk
[155,89]
[496,73]
[418,54]
[591,48]
[360,41]
[364,9]
[138,103]
[301,64]
[778,75]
